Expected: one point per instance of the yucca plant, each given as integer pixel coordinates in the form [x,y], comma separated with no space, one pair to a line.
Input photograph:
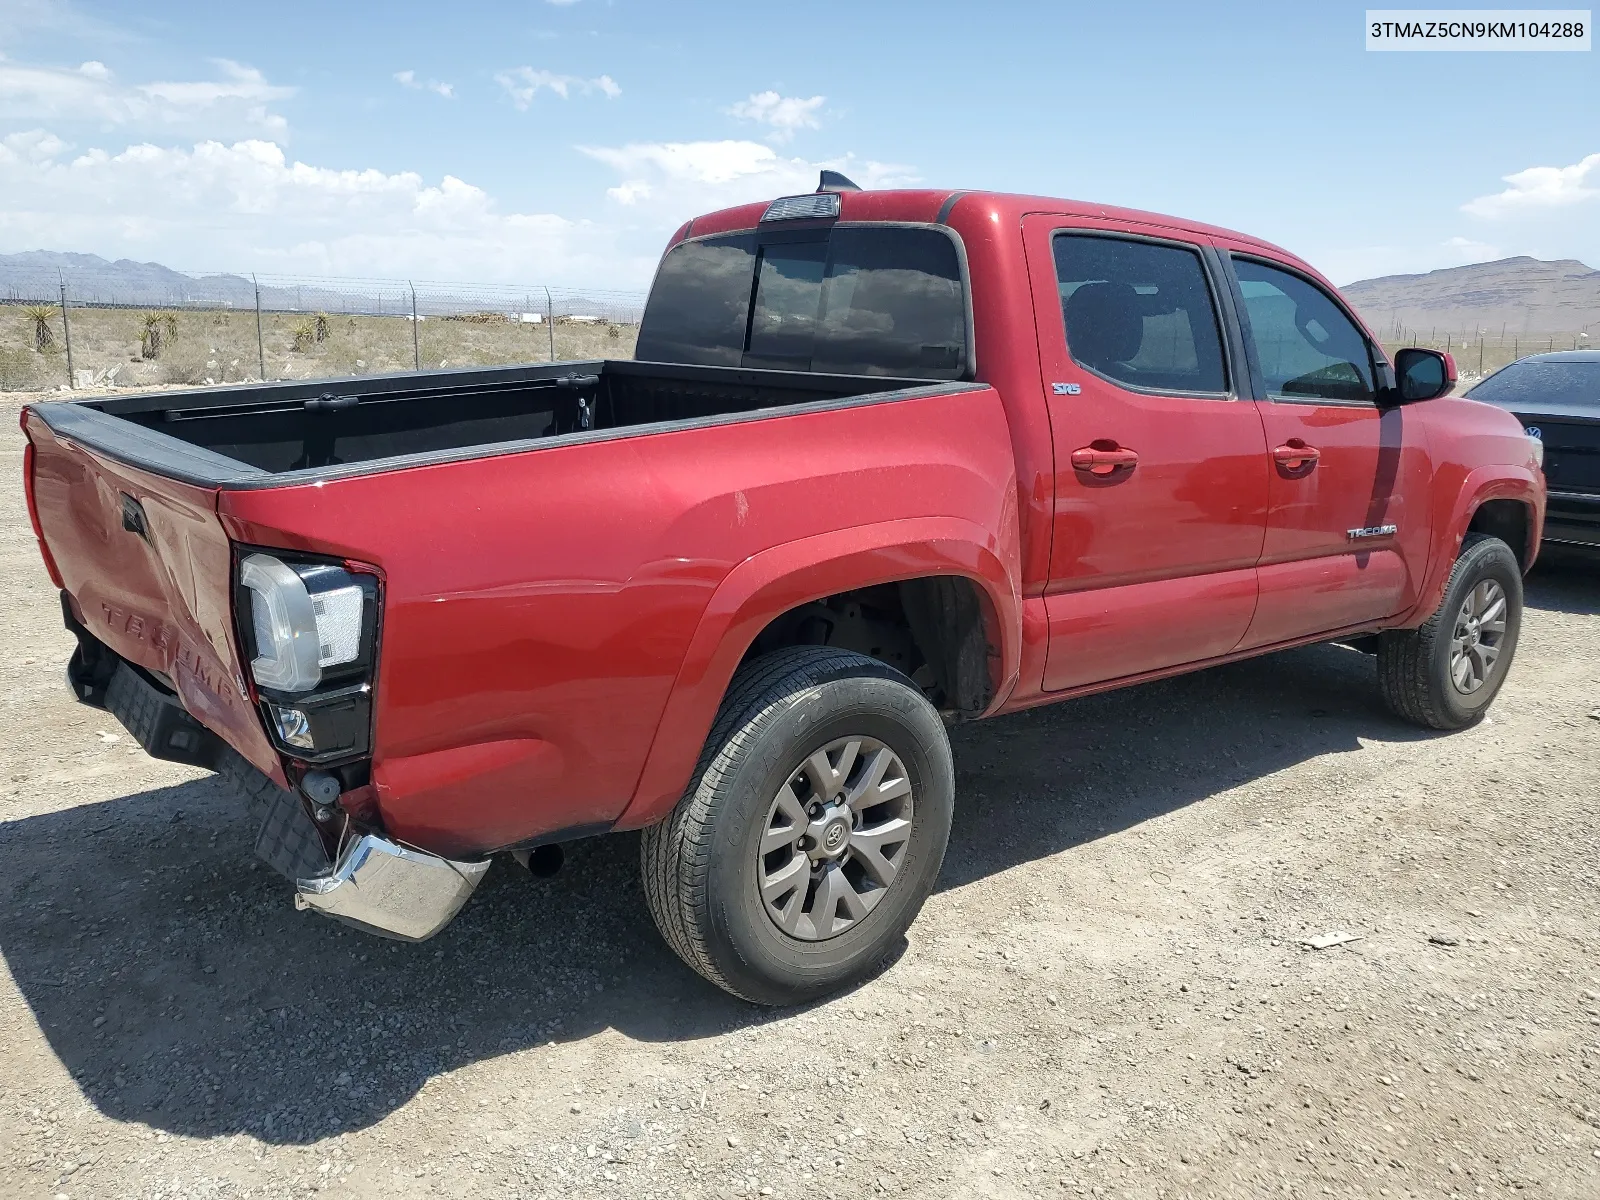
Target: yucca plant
[159,329]
[319,327]
[304,336]
[41,315]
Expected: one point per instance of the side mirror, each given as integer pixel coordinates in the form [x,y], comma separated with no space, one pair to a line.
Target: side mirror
[1422,375]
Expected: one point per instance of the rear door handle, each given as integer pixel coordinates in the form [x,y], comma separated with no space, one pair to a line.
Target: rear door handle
[1101,460]
[1297,457]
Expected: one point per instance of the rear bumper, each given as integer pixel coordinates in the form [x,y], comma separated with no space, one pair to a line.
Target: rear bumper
[376,885]
[1572,519]
[391,890]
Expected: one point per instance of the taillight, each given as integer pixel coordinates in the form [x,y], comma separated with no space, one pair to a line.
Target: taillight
[33,508]
[309,633]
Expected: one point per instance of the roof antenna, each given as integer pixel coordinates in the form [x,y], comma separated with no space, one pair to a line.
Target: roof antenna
[832,181]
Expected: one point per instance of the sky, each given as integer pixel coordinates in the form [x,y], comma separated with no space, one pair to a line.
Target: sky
[561,141]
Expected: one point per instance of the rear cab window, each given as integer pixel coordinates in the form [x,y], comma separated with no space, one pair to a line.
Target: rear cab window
[884,300]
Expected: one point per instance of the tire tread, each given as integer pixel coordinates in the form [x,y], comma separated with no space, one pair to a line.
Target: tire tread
[675,854]
[1404,655]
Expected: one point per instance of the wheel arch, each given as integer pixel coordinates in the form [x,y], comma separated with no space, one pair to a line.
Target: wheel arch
[777,581]
[1492,499]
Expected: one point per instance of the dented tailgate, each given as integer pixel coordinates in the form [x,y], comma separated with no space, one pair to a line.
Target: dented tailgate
[149,570]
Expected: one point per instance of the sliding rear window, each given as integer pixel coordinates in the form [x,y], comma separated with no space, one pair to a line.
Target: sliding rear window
[855,300]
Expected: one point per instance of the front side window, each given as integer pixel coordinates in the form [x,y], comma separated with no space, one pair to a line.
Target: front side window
[859,300]
[1307,347]
[1140,313]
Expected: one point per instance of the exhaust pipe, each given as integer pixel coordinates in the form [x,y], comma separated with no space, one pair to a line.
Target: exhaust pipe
[542,861]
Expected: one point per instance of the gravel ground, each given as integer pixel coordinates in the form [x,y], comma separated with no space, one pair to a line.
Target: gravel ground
[1107,995]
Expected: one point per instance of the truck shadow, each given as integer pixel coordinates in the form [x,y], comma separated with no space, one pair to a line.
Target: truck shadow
[1565,581]
[180,990]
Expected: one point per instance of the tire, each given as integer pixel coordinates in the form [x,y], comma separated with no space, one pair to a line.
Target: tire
[1418,668]
[704,871]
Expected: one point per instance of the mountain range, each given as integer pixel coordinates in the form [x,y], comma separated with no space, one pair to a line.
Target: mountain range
[1517,295]
[37,276]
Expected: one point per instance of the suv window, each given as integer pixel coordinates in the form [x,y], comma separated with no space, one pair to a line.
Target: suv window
[1306,346]
[1140,313]
[862,300]
[1532,383]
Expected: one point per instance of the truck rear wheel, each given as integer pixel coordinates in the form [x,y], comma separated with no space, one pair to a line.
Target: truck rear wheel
[1445,674]
[812,831]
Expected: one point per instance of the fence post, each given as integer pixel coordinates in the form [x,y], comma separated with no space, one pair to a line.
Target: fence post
[66,330]
[261,349]
[416,342]
[550,320]
[1480,358]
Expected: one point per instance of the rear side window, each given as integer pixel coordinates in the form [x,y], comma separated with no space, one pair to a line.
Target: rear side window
[1306,345]
[1140,313]
[864,300]
[1526,384]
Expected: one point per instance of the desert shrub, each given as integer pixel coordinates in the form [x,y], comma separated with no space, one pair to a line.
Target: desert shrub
[19,370]
[478,318]
[41,315]
[304,337]
[159,329]
[319,327]
[186,366]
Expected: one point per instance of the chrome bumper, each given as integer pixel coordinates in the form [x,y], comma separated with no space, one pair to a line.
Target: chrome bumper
[391,890]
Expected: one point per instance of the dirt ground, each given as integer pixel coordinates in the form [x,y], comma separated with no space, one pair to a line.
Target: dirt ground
[1107,995]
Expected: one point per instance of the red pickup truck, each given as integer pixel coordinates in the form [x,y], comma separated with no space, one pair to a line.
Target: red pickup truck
[885,460]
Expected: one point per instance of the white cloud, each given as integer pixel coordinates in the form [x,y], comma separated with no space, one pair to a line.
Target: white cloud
[1466,250]
[238,99]
[1540,188]
[680,179]
[246,206]
[408,79]
[785,114]
[522,84]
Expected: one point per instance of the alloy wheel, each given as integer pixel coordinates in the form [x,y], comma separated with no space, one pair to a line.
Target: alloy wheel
[1479,636]
[835,837]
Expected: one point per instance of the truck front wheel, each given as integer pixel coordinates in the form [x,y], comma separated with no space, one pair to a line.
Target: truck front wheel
[812,831]
[1445,674]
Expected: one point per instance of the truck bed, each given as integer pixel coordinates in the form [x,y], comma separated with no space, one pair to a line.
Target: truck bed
[295,432]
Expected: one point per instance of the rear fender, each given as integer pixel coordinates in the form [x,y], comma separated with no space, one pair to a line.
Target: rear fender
[778,579]
[1491,482]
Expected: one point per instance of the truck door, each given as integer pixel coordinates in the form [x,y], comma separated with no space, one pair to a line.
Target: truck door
[1348,523]
[1160,478]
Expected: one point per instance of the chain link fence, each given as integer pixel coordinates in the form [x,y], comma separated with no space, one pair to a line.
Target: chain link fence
[86,331]
[1482,352]
[105,333]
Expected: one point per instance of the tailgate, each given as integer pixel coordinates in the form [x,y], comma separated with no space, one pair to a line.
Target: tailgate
[149,570]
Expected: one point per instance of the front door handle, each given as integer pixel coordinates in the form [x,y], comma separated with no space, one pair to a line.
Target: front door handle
[1104,458]
[1297,458]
